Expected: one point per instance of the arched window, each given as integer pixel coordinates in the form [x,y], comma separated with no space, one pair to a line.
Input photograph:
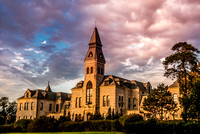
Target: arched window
[90,54]
[175,98]
[27,106]
[27,95]
[91,71]
[76,104]
[87,70]
[80,102]
[101,71]
[89,93]
[32,105]
[129,103]
[104,101]
[134,102]
[108,100]
[20,106]
[50,107]
[57,107]
[41,106]
[24,106]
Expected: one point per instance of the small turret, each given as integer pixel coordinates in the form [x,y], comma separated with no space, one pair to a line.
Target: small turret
[48,88]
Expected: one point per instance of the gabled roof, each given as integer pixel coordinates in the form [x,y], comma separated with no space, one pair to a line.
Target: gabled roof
[175,84]
[43,94]
[118,81]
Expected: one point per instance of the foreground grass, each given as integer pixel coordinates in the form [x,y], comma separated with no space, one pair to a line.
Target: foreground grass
[69,133]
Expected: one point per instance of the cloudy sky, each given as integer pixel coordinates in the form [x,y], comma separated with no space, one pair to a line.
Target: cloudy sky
[47,40]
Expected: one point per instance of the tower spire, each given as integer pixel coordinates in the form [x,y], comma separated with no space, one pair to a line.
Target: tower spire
[95,39]
[48,88]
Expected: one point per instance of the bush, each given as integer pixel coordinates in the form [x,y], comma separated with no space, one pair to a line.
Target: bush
[22,124]
[64,119]
[91,125]
[132,118]
[2,120]
[70,127]
[42,124]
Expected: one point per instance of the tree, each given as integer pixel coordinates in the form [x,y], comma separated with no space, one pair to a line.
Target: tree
[178,66]
[109,114]
[194,109]
[11,112]
[159,101]
[3,104]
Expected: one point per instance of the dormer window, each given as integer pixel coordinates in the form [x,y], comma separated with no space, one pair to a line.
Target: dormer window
[100,55]
[27,95]
[90,54]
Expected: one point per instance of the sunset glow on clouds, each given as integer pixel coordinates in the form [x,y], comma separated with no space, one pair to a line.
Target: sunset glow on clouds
[47,40]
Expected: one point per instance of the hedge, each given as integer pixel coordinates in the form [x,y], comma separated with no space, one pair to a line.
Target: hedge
[92,125]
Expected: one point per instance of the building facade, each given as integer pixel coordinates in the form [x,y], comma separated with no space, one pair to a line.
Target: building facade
[97,93]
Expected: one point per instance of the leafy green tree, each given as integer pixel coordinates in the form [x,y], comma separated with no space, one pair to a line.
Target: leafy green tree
[194,109]
[109,114]
[159,101]
[113,114]
[178,66]
[4,103]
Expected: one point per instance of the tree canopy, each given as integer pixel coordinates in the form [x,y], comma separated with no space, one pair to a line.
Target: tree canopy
[179,65]
[159,101]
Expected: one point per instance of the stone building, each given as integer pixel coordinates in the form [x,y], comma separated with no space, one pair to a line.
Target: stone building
[174,89]
[36,103]
[97,92]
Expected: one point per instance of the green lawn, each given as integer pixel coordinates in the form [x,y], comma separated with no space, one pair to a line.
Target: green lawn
[71,133]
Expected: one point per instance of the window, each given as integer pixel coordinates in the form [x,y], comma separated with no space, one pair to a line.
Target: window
[76,104]
[129,103]
[99,70]
[50,107]
[20,106]
[89,93]
[87,70]
[27,106]
[100,55]
[24,106]
[134,103]
[27,95]
[108,100]
[80,102]
[41,106]
[90,54]
[32,105]
[104,101]
[119,101]
[91,71]
[175,98]
[57,107]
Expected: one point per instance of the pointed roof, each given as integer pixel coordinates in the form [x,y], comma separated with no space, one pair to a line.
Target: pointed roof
[48,88]
[95,39]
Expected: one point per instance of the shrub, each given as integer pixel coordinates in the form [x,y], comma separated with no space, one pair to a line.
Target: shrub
[132,118]
[42,124]
[2,120]
[23,124]
[64,119]
[70,127]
